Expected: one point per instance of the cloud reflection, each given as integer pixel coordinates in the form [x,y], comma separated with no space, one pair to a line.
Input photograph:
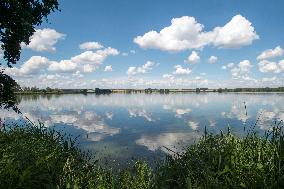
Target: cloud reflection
[173,141]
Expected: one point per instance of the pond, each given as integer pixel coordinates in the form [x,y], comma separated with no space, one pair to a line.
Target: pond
[119,127]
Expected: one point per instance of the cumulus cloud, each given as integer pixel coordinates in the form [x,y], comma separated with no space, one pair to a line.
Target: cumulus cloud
[186,33]
[90,45]
[32,66]
[168,76]
[193,58]
[236,33]
[181,71]
[212,59]
[127,53]
[141,70]
[87,68]
[229,65]
[97,57]
[44,40]
[269,66]
[108,69]
[270,53]
[269,79]
[62,66]
[241,70]
[87,61]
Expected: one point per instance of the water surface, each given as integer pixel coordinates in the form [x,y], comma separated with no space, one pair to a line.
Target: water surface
[122,126]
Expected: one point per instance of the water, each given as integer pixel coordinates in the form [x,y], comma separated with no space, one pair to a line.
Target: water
[122,126]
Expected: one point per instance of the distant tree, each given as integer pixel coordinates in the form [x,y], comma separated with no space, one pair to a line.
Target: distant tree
[48,89]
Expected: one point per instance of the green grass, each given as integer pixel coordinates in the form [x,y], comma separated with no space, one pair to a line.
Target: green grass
[35,157]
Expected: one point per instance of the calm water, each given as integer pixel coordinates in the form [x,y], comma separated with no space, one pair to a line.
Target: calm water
[122,126]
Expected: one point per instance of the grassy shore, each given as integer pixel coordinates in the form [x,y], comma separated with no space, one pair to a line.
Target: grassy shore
[35,157]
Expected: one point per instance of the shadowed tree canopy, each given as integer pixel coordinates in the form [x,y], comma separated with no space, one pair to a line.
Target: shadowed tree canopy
[7,86]
[18,19]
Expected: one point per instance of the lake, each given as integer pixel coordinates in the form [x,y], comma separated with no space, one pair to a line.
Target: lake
[119,127]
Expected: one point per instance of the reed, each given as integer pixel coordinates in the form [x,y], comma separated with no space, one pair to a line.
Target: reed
[36,157]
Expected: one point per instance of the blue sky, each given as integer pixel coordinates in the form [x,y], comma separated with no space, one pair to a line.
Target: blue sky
[158,44]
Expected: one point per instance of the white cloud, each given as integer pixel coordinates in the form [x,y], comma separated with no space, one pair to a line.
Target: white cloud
[124,54]
[141,70]
[132,51]
[91,45]
[181,71]
[281,65]
[241,70]
[186,33]
[85,62]
[236,33]
[131,70]
[78,74]
[32,66]
[212,59]
[268,66]
[270,53]
[47,77]
[245,66]
[97,57]
[269,79]
[62,66]
[229,65]
[108,69]
[44,40]
[168,76]
[87,68]
[193,58]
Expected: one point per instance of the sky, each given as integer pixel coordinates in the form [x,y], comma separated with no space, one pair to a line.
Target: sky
[156,44]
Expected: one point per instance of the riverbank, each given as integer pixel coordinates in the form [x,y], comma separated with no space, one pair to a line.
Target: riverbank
[35,90]
[36,157]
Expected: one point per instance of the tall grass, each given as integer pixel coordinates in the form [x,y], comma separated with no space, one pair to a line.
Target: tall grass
[35,157]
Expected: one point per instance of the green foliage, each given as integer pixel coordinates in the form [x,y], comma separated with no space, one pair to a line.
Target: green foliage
[17,21]
[7,87]
[36,157]
[227,161]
